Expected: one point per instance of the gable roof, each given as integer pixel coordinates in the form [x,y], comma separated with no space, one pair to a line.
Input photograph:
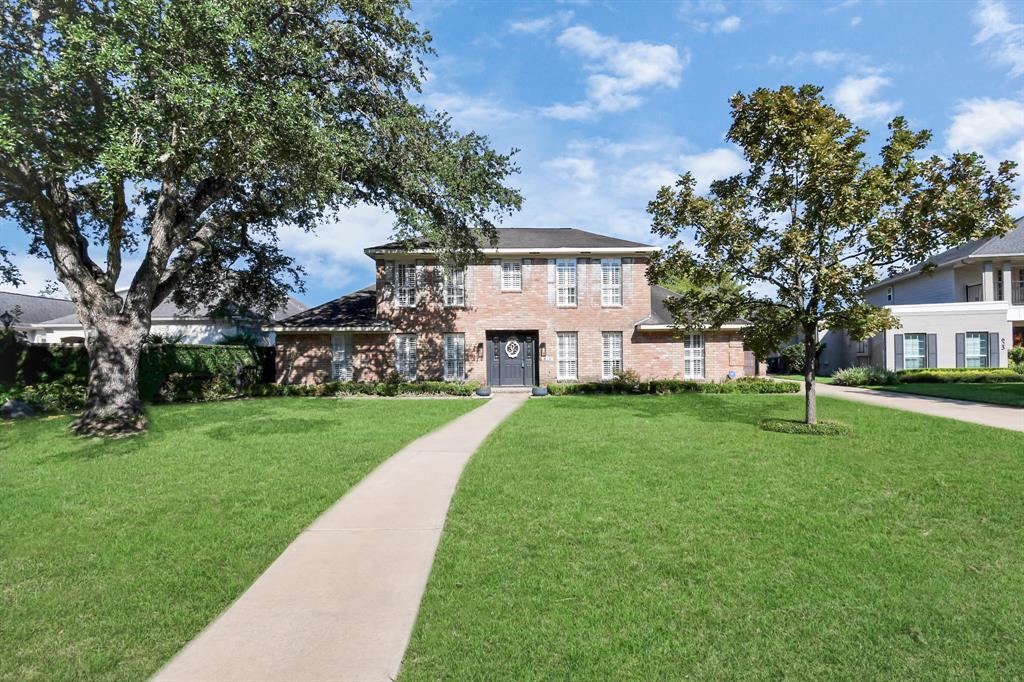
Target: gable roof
[357,310]
[530,238]
[35,309]
[660,316]
[1010,244]
[169,311]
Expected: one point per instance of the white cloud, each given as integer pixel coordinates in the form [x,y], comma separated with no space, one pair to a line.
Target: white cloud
[855,21]
[621,71]
[857,97]
[1003,37]
[980,123]
[541,24]
[709,166]
[580,169]
[470,112]
[727,25]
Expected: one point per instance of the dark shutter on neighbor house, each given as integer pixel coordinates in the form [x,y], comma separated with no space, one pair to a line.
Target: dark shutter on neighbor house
[961,350]
[993,349]
[897,349]
[933,343]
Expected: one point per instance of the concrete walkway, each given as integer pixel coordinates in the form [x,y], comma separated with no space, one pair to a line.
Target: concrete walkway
[341,601]
[980,413]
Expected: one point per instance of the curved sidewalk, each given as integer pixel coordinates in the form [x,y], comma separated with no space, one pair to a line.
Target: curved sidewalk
[998,416]
[341,600]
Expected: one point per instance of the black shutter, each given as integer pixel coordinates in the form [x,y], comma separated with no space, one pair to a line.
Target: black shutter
[933,354]
[961,350]
[993,349]
[897,349]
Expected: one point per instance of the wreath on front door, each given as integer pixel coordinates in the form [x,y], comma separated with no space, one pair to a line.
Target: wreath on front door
[512,348]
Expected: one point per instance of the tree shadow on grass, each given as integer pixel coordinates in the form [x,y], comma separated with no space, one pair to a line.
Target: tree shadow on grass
[704,407]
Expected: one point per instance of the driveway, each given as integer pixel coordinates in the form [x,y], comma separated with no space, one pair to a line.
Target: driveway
[979,413]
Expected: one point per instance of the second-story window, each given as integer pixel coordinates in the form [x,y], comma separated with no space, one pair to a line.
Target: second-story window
[405,284]
[611,281]
[511,275]
[455,287]
[566,281]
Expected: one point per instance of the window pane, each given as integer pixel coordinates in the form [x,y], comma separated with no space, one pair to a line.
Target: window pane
[977,349]
[455,287]
[611,354]
[405,355]
[511,275]
[566,281]
[611,281]
[566,355]
[914,351]
[693,356]
[454,357]
[405,275]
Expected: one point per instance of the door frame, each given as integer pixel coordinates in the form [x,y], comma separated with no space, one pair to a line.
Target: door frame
[492,334]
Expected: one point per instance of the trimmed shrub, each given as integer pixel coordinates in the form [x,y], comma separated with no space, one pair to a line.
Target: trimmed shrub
[181,370]
[382,388]
[957,375]
[793,356]
[63,395]
[864,376]
[796,427]
[666,386]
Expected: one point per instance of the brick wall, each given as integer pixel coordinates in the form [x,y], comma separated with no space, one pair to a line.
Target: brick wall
[653,355]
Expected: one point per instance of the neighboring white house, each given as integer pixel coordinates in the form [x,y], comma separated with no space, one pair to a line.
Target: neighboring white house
[202,326]
[967,312]
[26,311]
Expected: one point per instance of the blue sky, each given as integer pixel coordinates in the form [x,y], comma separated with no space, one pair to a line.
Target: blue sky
[607,101]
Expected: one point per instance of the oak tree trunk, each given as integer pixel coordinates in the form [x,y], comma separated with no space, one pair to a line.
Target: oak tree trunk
[810,365]
[112,406]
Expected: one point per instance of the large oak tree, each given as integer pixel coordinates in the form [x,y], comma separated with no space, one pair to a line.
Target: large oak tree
[811,223]
[188,133]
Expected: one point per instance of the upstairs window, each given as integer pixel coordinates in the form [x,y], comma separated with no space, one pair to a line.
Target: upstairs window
[454,357]
[567,363]
[566,281]
[611,354]
[976,347]
[455,287]
[611,282]
[405,284]
[693,356]
[888,295]
[405,355]
[511,275]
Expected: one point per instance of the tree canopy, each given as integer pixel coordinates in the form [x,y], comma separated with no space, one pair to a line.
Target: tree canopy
[185,134]
[812,223]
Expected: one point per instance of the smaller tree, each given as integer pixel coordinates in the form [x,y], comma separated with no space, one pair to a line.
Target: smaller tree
[811,224]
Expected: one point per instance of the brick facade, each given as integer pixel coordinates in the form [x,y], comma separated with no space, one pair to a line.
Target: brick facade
[305,358]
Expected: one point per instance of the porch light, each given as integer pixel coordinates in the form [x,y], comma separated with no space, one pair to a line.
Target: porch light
[7,319]
[480,351]
[542,348]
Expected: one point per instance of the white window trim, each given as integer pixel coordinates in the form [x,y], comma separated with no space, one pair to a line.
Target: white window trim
[983,347]
[611,357]
[611,293]
[924,351]
[569,289]
[454,366]
[402,285]
[567,363]
[341,357]
[889,294]
[693,355]
[515,273]
[409,365]
[454,290]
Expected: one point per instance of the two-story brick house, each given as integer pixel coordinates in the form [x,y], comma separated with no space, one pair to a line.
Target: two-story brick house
[543,305]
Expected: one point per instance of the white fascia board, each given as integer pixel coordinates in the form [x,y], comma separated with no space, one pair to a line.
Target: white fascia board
[957,308]
[528,252]
[324,330]
[669,327]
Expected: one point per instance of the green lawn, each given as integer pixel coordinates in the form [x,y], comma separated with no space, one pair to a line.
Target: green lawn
[612,537]
[1011,394]
[114,554]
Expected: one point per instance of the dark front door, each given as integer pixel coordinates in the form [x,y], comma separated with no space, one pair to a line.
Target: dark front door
[511,358]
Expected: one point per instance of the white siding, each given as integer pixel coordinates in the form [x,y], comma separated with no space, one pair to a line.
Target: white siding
[939,287]
[946,324]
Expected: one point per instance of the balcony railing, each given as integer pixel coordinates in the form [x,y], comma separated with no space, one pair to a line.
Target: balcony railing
[1016,296]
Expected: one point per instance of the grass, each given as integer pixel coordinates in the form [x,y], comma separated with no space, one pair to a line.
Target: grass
[1011,394]
[800,378]
[115,554]
[613,537]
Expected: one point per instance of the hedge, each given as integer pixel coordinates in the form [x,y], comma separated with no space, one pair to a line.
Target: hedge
[383,388]
[193,368]
[663,386]
[958,375]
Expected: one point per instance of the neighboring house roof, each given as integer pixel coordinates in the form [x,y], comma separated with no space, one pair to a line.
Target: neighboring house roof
[530,238]
[1010,244]
[355,311]
[169,311]
[661,318]
[34,309]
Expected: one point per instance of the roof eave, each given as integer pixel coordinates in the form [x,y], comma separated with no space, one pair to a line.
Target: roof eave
[526,251]
[323,329]
[671,327]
